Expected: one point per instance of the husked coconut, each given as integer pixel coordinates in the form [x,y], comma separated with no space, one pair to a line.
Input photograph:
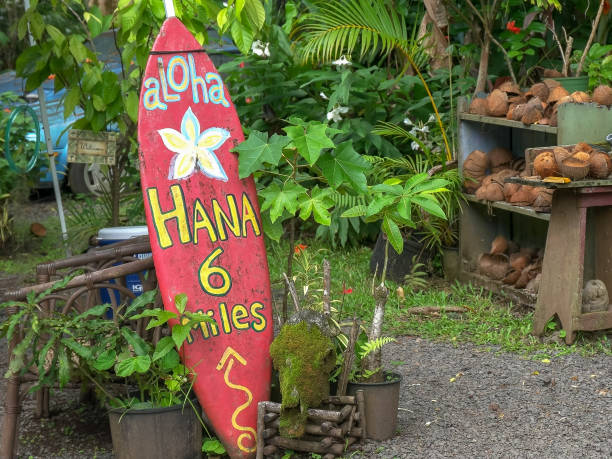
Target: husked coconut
[543,200]
[532,115]
[580,97]
[519,111]
[583,146]
[539,90]
[560,154]
[563,100]
[499,158]
[511,277]
[545,165]
[510,88]
[603,95]
[551,83]
[491,192]
[582,156]
[519,260]
[499,245]
[551,73]
[478,106]
[510,189]
[493,266]
[474,167]
[510,111]
[497,103]
[599,165]
[523,197]
[574,168]
[557,93]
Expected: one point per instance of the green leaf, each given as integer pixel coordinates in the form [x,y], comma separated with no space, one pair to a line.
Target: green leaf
[393,233]
[170,360]
[356,211]
[161,318]
[141,301]
[77,49]
[164,345]
[63,367]
[131,105]
[98,103]
[273,230]
[344,165]
[379,204]
[77,348]
[318,204]
[278,200]
[255,13]
[242,36]
[180,334]
[180,302]
[105,360]
[309,140]
[257,149]
[129,366]
[141,347]
[97,311]
[72,99]
[55,34]
[428,204]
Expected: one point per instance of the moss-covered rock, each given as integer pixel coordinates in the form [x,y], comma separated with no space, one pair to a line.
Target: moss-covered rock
[304,358]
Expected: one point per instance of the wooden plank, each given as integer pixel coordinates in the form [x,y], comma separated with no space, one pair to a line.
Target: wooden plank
[516,295]
[561,283]
[529,211]
[583,123]
[593,321]
[507,123]
[559,186]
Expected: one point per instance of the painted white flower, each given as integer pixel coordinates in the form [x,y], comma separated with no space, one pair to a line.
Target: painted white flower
[342,61]
[260,48]
[192,147]
[415,146]
[336,114]
[407,121]
[323,96]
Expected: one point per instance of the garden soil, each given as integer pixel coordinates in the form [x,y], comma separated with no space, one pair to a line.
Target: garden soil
[457,400]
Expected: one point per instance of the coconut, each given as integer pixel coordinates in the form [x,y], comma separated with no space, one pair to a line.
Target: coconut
[583,146]
[537,102]
[511,277]
[493,266]
[528,273]
[560,154]
[595,296]
[520,99]
[582,156]
[557,93]
[499,158]
[491,192]
[478,106]
[510,88]
[551,83]
[510,110]
[599,165]
[603,95]
[519,111]
[563,100]
[545,165]
[510,189]
[574,168]
[543,200]
[532,115]
[497,103]
[544,121]
[519,260]
[533,286]
[522,197]
[552,73]
[474,167]
[499,245]
[580,97]
[539,90]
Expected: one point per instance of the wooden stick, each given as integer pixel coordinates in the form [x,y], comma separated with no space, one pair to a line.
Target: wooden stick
[314,414]
[362,417]
[326,287]
[291,287]
[341,400]
[269,417]
[339,448]
[435,309]
[349,358]
[269,432]
[269,450]
[591,37]
[326,442]
[261,411]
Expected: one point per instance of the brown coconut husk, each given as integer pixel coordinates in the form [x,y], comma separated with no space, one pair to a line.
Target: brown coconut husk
[603,95]
[519,111]
[474,167]
[533,114]
[499,245]
[583,146]
[595,296]
[497,103]
[543,200]
[582,156]
[533,286]
[491,192]
[511,277]
[557,93]
[509,190]
[553,121]
[529,251]
[529,273]
[544,121]
[478,106]
[523,196]
[563,100]
[545,165]
[510,88]
[513,247]
[580,97]
[574,168]
[519,260]
[600,165]
[494,266]
[510,112]
[499,158]
[518,164]
[520,99]
[539,90]
[560,154]
[551,73]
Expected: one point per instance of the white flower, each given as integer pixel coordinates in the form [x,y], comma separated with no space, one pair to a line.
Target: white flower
[407,121]
[193,147]
[424,129]
[413,131]
[323,96]
[260,48]
[335,114]
[225,4]
[342,61]
[431,119]
[415,146]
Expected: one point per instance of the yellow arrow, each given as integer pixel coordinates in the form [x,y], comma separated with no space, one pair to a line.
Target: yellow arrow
[249,432]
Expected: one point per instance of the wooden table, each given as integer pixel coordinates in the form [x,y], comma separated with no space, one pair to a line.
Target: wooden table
[578,246]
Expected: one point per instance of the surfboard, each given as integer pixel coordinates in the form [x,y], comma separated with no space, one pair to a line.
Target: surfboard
[206,232]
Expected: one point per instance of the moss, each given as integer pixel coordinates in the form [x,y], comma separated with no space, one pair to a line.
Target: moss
[304,358]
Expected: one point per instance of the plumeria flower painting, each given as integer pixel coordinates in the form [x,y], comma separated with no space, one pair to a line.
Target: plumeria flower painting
[194,148]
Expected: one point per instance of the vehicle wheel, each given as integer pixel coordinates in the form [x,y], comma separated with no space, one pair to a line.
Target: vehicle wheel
[87,179]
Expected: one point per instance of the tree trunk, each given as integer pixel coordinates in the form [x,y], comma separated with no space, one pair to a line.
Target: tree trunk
[483,68]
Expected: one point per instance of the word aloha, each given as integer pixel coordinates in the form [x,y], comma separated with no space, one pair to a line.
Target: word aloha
[174,79]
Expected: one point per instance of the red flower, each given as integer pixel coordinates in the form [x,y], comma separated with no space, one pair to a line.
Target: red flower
[248,100]
[511,26]
[7,110]
[51,77]
[606,7]
[347,291]
[241,65]
[299,248]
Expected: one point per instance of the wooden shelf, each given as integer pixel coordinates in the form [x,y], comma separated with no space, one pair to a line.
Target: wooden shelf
[516,295]
[530,212]
[576,184]
[508,123]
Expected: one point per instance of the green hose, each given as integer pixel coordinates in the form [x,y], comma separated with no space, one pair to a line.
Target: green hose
[7,136]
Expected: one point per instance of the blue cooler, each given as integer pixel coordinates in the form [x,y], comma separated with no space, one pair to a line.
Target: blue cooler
[108,236]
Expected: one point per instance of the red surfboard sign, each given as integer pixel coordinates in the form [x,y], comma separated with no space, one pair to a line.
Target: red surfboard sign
[206,232]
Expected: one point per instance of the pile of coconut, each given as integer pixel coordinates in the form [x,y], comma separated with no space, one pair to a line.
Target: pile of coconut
[539,105]
[492,187]
[513,265]
[576,163]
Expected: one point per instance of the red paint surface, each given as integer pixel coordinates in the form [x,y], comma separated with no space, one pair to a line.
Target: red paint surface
[221,383]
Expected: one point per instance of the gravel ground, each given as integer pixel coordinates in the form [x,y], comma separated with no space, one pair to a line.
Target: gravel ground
[499,405]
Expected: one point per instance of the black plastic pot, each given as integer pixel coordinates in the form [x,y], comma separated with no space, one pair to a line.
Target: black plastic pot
[398,265]
[381,405]
[155,433]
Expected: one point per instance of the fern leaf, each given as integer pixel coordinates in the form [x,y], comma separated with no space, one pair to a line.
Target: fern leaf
[374,345]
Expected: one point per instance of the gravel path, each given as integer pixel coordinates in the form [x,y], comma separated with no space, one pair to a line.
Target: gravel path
[499,405]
